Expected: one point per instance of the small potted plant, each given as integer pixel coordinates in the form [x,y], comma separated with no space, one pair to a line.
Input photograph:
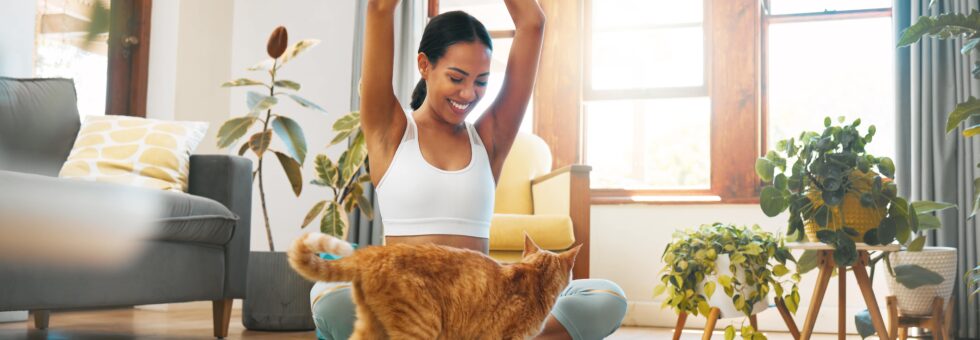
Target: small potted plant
[746,262]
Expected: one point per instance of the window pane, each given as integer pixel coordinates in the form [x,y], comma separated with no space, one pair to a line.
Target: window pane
[649,144]
[612,14]
[819,69]
[498,65]
[492,13]
[651,58]
[813,6]
[62,51]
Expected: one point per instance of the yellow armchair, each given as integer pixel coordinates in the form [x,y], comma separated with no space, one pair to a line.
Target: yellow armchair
[551,206]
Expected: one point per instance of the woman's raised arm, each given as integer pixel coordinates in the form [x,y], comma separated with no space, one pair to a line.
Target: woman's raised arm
[380,110]
[503,118]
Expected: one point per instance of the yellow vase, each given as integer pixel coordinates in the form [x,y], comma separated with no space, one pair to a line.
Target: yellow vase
[855,215]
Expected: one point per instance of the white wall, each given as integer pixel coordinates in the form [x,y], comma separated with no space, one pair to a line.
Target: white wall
[628,241]
[324,73]
[17,38]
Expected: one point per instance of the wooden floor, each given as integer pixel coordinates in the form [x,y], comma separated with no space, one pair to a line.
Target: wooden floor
[193,321]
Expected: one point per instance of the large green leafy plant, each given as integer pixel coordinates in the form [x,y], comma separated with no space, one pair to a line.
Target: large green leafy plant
[761,256]
[828,166]
[342,178]
[261,106]
[949,26]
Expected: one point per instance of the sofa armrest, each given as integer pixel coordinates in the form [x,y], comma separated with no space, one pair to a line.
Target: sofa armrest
[566,192]
[228,180]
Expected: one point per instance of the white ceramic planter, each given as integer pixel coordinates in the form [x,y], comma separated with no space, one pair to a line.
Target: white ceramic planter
[723,301]
[918,302]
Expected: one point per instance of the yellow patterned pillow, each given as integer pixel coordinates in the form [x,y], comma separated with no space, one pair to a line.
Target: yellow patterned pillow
[143,152]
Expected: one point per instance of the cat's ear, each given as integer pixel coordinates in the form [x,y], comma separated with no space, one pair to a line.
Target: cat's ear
[529,246]
[568,256]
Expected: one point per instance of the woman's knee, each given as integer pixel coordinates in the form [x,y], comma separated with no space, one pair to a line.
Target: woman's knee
[591,308]
[334,313]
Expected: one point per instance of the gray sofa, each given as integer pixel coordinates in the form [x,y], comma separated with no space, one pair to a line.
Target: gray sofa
[199,247]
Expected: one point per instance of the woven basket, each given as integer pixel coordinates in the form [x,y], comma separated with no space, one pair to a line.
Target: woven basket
[855,215]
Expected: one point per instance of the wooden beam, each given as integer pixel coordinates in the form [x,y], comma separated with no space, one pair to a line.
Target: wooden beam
[558,92]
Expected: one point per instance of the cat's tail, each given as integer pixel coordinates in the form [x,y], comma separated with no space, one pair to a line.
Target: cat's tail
[304,259]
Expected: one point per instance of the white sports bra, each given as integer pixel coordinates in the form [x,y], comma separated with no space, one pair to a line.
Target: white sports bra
[417,198]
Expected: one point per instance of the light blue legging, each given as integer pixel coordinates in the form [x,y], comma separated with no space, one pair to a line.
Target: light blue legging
[589,309]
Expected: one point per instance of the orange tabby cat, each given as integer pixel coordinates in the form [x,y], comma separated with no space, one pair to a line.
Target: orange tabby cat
[435,292]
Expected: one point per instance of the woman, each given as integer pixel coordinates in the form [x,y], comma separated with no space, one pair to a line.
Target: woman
[435,174]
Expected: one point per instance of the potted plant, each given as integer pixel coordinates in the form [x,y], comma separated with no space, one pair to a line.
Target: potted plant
[950,26]
[834,196]
[276,297]
[747,263]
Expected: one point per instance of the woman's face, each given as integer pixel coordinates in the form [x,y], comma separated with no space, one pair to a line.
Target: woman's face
[457,81]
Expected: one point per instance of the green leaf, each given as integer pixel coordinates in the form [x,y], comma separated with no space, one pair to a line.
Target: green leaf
[259,142]
[871,237]
[913,276]
[326,172]
[826,122]
[976,197]
[292,169]
[962,111]
[243,82]
[313,213]
[918,244]
[923,207]
[709,289]
[296,49]
[780,182]
[929,222]
[827,236]
[943,26]
[331,223]
[887,231]
[764,168]
[289,84]
[807,261]
[659,289]
[305,103]
[822,216]
[356,155]
[886,167]
[772,201]
[292,136]
[730,332]
[340,137]
[233,129]
[348,123]
[243,149]
[862,320]
[364,203]
[779,270]
[263,103]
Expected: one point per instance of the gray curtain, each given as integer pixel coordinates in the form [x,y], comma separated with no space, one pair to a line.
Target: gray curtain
[932,77]
[410,19]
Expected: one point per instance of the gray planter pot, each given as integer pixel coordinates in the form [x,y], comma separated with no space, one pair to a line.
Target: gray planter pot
[276,298]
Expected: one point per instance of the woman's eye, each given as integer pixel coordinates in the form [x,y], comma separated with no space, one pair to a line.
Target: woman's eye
[456,80]
[481,83]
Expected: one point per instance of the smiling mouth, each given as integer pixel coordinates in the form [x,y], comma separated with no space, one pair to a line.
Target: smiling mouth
[458,105]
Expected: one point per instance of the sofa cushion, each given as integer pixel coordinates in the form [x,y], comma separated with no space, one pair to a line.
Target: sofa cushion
[551,232]
[38,124]
[180,217]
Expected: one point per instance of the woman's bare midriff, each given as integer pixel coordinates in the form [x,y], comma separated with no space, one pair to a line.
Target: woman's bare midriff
[466,242]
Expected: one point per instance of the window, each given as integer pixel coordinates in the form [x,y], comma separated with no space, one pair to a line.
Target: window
[62,50]
[109,70]
[494,16]
[647,116]
[817,66]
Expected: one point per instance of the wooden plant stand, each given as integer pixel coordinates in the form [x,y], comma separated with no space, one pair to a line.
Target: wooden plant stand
[939,322]
[826,265]
[715,314]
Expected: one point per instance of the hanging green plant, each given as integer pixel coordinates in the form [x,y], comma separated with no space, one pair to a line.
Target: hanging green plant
[757,258]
